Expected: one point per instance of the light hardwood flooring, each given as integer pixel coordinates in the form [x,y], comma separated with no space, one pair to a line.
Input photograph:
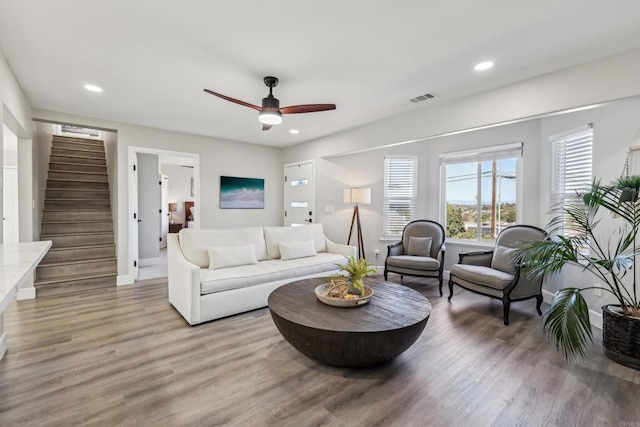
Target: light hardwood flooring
[123,356]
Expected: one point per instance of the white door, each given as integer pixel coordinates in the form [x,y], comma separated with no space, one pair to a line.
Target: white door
[164,220]
[299,189]
[135,226]
[10,217]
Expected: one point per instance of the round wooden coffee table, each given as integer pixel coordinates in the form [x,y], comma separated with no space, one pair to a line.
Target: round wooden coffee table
[351,337]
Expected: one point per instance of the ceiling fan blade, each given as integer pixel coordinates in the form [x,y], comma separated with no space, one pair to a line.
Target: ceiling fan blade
[266,127]
[237,101]
[308,108]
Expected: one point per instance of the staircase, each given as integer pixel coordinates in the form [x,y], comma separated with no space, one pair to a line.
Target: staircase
[77,219]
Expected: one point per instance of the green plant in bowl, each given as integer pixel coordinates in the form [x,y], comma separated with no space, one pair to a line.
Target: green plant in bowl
[357,269]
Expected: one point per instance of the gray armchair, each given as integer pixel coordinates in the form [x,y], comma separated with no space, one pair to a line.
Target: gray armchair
[420,252]
[495,274]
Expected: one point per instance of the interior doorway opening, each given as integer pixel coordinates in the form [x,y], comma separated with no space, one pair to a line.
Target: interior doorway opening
[164,187]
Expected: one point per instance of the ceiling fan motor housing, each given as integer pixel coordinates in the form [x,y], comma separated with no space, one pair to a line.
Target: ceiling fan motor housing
[271,102]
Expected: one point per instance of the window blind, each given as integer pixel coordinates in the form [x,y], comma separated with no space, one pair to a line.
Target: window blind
[572,163]
[400,194]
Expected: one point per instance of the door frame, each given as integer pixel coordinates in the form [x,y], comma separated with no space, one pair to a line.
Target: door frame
[313,188]
[133,195]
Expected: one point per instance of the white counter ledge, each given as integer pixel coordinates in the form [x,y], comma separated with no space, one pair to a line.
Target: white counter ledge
[17,262]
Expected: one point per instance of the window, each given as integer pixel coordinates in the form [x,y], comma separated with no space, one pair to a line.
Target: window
[571,163]
[480,191]
[400,194]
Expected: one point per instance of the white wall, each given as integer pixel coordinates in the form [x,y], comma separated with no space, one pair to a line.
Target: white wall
[42,141]
[217,157]
[15,113]
[111,156]
[179,188]
[614,127]
[365,169]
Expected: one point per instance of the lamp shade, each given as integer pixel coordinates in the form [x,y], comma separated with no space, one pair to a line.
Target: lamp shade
[173,207]
[357,195]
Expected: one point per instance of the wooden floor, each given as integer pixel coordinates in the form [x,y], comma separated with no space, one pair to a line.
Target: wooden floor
[123,356]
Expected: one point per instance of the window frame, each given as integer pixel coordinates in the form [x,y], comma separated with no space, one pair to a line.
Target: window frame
[413,199]
[479,155]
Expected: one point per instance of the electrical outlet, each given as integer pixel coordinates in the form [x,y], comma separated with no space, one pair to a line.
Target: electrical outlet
[377,252]
[598,292]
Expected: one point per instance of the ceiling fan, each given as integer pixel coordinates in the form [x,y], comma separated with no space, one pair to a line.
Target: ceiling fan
[271,112]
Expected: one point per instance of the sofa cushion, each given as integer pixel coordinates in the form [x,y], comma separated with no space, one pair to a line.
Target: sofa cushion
[295,250]
[195,243]
[503,259]
[226,279]
[413,262]
[419,246]
[481,275]
[232,256]
[274,235]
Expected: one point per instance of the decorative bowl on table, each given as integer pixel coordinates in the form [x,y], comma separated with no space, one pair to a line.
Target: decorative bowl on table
[327,294]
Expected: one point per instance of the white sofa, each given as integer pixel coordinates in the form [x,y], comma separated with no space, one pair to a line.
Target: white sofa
[201,293]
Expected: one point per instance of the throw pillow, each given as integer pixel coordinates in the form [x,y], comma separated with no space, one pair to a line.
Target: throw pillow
[303,249]
[419,246]
[503,259]
[231,256]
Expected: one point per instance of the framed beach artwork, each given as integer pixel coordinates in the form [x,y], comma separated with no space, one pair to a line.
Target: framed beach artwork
[241,193]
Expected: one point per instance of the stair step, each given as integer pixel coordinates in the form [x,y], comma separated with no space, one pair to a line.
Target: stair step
[46,272]
[71,204]
[78,239]
[77,139]
[57,228]
[78,253]
[74,284]
[79,146]
[72,193]
[77,153]
[82,176]
[76,215]
[78,160]
[63,167]
[76,184]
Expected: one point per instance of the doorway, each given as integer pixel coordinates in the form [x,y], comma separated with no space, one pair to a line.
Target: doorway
[10,203]
[299,194]
[155,236]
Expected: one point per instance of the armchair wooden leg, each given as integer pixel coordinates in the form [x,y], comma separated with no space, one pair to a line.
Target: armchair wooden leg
[450,290]
[539,304]
[386,272]
[440,280]
[506,305]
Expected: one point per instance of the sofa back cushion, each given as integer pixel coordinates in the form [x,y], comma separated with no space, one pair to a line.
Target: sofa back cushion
[274,235]
[195,242]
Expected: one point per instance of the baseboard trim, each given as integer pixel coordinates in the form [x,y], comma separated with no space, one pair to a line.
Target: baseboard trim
[149,261]
[26,293]
[595,318]
[123,280]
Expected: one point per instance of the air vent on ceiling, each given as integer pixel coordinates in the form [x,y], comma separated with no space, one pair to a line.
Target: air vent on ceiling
[423,97]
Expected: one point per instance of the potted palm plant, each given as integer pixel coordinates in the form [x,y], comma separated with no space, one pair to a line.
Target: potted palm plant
[606,249]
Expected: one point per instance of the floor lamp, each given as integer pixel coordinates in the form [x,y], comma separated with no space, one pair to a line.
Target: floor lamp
[355,196]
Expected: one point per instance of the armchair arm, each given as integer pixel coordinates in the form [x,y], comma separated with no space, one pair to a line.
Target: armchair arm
[337,248]
[184,282]
[482,258]
[395,249]
[441,255]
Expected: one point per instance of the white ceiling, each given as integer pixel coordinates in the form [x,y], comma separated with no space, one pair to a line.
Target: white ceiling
[153,58]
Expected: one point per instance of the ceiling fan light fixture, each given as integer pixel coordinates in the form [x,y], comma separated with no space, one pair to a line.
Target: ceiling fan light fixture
[270,117]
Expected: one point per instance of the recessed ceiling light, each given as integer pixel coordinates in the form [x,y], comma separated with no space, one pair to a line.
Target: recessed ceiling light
[294,131]
[93,88]
[483,66]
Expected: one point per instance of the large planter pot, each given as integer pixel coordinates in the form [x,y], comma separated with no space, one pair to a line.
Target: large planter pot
[621,337]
